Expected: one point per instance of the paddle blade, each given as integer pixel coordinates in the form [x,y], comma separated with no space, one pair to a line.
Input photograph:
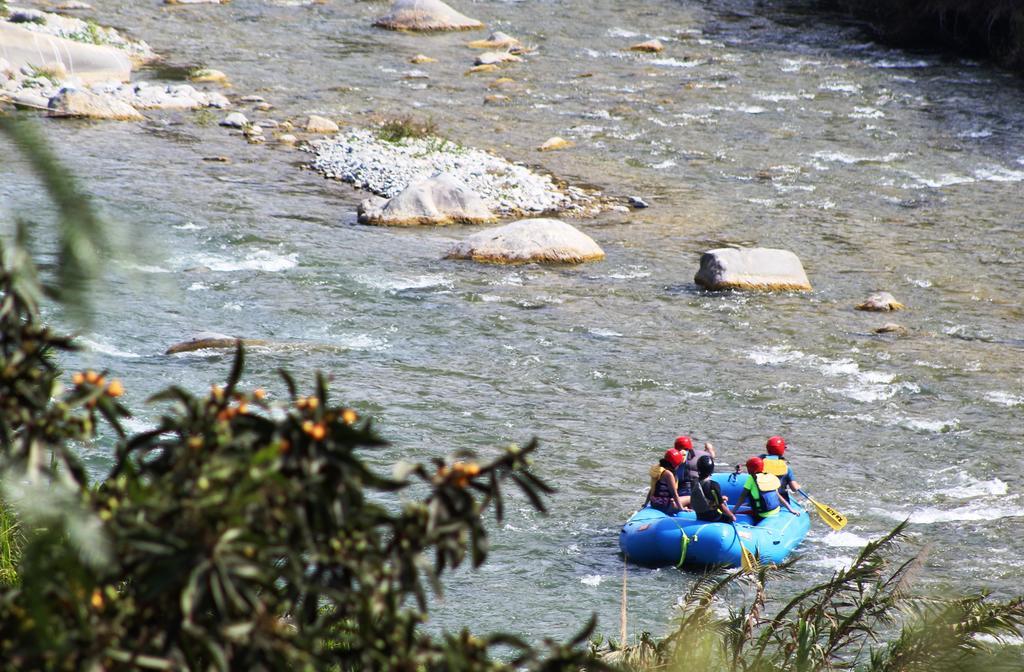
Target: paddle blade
[747,560]
[832,518]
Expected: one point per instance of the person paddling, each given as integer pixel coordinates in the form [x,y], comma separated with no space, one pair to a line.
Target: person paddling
[663,493]
[775,463]
[687,472]
[706,496]
[763,491]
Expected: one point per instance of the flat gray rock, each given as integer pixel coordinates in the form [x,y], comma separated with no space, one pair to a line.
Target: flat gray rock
[440,199]
[70,102]
[538,240]
[425,15]
[211,341]
[754,268]
[87,62]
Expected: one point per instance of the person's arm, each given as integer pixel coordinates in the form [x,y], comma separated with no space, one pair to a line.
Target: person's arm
[675,490]
[793,485]
[711,449]
[785,503]
[739,502]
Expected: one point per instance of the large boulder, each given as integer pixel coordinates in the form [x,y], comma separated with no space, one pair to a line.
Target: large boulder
[756,268]
[87,62]
[71,102]
[529,240]
[440,199]
[425,15]
[211,341]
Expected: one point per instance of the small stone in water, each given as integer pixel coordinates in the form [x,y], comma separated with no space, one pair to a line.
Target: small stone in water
[638,202]
[235,120]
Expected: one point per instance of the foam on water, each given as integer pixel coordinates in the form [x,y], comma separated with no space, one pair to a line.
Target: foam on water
[675,63]
[971,487]
[1004,398]
[864,386]
[258,260]
[592,580]
[147,268]
[931,515]
[866,113]
[886,64]
[931,426]
[834,564]
[844,540]
[189,226]
[774,97]
[361,342]
[198,287]
[604,333]
[999,174]
[103,346]
[850,159]
[398,283]
[938,181]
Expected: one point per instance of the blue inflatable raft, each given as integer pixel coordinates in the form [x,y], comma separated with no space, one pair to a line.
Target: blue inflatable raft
[655,539]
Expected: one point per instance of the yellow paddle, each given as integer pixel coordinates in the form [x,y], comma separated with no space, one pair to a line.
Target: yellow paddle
[832,518]
[747,559]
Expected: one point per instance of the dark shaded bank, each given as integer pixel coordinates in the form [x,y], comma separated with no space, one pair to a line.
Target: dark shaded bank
[983,28]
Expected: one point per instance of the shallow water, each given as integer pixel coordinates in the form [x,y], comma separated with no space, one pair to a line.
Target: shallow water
[881,169]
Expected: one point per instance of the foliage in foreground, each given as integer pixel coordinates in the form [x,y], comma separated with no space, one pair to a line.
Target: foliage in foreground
[240,533]
[840,624]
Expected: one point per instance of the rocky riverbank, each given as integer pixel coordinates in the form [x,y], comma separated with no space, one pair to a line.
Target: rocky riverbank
[73,67]
[367,160]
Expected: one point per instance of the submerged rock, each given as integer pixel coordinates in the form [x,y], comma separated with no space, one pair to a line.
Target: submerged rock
[496,40]
[650,46]
[881,302]
[419,59]
[496,57]
[425,15]
[551,144]
[440,199]
[70,102]
[210,340]
[529,240]
[754,268]
[892,328]
[209,75]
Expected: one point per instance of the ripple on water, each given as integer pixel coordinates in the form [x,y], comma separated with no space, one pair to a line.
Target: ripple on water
[258,260]
[102,345]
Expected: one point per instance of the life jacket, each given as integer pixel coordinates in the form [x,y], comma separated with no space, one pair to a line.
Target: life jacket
[692,476]
[775,465]
[699,502]
[766,493]
[658,487]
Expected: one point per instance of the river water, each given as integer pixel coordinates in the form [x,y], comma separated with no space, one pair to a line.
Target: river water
[881,169]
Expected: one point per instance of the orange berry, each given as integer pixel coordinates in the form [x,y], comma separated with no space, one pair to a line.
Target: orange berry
[318,432]
[97,599]
[312,402]
[115,389]
[243,407]
[78,378]
[307,426]
[348,416]
[259,393]
[91,377]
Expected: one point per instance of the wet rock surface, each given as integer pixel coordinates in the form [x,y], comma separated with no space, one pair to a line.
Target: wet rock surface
[540,240]
[754,268]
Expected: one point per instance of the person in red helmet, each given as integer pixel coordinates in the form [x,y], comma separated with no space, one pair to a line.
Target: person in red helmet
[687,474]
[663,494]
[763,491]
[775,463]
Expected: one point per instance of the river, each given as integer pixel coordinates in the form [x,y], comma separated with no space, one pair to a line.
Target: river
[882,169]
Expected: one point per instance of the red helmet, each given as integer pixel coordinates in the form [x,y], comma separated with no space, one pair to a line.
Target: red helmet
[776,446]
[755,465]
[683,444]
[674,457]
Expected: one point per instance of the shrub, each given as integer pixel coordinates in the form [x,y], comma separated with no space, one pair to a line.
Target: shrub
[398,129]
[244,531]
